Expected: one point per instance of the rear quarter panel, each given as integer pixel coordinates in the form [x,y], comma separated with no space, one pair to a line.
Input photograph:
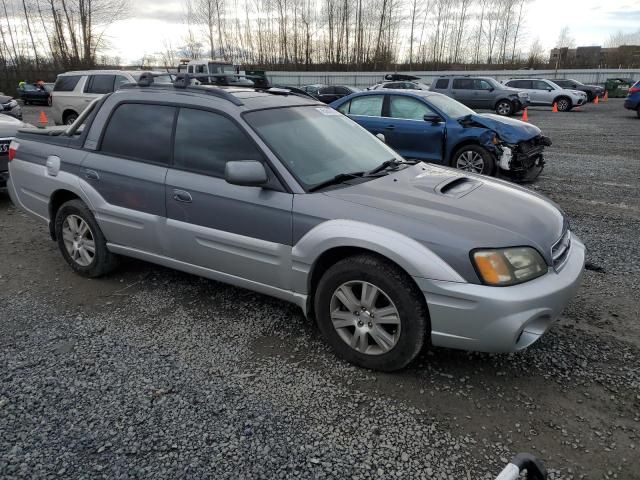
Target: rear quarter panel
[33,185]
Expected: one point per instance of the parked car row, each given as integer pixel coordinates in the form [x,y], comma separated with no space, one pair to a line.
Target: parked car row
[434,128]
[386,253]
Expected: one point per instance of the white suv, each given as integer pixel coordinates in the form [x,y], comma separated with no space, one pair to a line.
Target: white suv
[74,91]
[545,92]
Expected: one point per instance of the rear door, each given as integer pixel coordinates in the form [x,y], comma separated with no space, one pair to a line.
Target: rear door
[241,231]
[411,135]
[462,91]
[124,177]
[366,110]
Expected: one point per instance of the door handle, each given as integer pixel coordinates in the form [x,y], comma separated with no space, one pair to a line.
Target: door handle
[91,175]
[390,127]
[182,196]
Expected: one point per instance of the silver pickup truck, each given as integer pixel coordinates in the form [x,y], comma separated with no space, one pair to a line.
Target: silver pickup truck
[282,195]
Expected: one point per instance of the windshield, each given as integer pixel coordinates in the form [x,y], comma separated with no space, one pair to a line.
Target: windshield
[318,143]
[449,106]
[493,82]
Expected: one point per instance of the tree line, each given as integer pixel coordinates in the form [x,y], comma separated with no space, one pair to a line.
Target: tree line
[305,34]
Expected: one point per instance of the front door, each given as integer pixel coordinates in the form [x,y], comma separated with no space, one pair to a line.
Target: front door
[124,178]
[241,231]
[411,135]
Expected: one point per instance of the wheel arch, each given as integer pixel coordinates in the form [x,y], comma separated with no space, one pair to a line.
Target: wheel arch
[503,99]
[334,240]
[462,143]
[56,200]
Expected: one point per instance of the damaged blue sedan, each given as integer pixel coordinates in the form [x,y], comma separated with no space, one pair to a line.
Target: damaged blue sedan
[434,128]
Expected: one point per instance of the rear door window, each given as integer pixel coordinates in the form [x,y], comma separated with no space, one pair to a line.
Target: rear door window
[540,85]
[100,84]
[463,84]
[408,108]
[368,105]
[66,83]
[206,141]
[442,83]
[140,131]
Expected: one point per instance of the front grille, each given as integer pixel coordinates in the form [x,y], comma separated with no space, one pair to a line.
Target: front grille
[4,147]
[560,250]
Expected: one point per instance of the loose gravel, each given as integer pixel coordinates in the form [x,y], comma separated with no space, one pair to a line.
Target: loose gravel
[152,373]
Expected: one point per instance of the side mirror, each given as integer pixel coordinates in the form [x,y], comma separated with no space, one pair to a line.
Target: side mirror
[246,173]
[380,137]
[491,89]
[434,119]
[549,89]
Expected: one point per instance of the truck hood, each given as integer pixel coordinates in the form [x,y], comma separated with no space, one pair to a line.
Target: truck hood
[454,212]
[509,130]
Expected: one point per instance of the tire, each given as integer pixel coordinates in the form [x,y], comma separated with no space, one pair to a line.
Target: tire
[505,108]
[404,326]
[486,160]
[590,96]
[564,104]
[94,264]
[69,118]
[26,102]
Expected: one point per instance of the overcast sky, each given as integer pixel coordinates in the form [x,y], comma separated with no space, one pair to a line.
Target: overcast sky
[155,23]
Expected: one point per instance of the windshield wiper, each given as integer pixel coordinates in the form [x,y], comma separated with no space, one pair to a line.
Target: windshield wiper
[340,178]
[393,162]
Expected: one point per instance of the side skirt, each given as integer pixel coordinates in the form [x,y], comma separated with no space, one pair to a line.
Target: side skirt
[287,295]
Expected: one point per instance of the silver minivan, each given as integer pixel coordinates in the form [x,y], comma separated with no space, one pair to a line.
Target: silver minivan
[74,91]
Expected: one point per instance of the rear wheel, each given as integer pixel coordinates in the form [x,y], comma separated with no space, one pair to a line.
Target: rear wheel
[474,159]
[504,108]
[564,104]
[81,241]
[70,118]
[371,313]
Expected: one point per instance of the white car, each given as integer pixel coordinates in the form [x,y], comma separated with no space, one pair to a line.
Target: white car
[401,85]
[74,91]
[545,92]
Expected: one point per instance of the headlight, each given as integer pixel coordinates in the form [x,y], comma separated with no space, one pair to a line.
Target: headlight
[523,94]
[10,104]
[509,266]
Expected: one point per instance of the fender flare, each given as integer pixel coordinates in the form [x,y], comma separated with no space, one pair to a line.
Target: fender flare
[413,257]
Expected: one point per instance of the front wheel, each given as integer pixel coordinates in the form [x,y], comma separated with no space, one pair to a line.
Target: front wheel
[371,313]
[81,241]
[564,104]
[474,159]
[504,108]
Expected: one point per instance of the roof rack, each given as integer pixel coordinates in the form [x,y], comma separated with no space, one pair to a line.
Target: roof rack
[183,81]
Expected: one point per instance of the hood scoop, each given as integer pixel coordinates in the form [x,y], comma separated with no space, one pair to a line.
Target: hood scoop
[458,187]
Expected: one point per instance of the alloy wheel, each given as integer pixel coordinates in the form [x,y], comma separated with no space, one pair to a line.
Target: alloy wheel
[504,108]
[78,240]
[470,161]
[365,317]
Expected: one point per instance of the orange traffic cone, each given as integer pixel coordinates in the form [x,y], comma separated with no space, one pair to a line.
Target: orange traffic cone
[555,107]
[606,96]
[596,101]
[525,115]
[43,119]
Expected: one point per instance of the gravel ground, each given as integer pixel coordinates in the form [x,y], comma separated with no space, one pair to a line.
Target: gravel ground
[151,373]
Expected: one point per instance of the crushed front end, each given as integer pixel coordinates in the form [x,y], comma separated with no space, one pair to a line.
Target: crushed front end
[523,161]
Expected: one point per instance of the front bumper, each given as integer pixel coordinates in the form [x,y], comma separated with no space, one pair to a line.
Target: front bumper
[579,101]
[500,319]
[630,104]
